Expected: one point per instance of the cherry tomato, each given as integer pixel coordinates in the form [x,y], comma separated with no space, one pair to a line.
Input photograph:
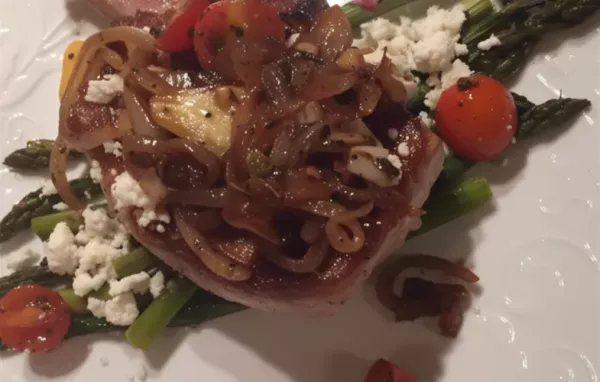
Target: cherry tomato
[384,371]
[225,23]
[477,118]
[179,36]
[33,318]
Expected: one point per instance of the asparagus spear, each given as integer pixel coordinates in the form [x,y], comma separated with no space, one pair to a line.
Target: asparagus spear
[40,275]
[550,114]
[134,262]
[453,202]
[42,226]
[36,204]
[35,156]
[358,15]
[519,25]
[161,311]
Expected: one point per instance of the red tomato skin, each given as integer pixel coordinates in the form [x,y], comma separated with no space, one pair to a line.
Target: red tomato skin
[179,36]
[385,371]
[225,23]
[478,120]
[33,318]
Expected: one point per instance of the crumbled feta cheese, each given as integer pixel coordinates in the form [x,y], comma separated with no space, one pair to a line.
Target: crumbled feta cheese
[435,53]
[146,29]
[395,161]
[429,45]
[127,192]
[84,283]
[89,254]
[458,70]
[425,119]
[104,90]
[148,216]
[96,171]
[23,259]
[61,250]
[87,195]
[114,147]
[157,284]
[403,149]
[48,188]
[120,310]
[392,134]
[113,172]
[489,43]
[509,127]
[448,77]
[137,283]
[461,49]
[160,228]
[60,206]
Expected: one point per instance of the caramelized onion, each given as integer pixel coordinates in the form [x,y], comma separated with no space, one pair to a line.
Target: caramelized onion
[58,174]
[140,119]
[309,263]
[214,197]
[215,261]
[448,296]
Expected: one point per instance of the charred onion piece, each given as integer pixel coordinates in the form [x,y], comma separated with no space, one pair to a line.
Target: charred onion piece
[423,298]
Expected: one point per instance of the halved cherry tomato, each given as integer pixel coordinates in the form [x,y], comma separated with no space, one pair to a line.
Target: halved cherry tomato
[179,36]
[225,23]
[33,318]
[384,371]
[477,118]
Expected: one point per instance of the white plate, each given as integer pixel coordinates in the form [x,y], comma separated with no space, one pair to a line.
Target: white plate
[535,250]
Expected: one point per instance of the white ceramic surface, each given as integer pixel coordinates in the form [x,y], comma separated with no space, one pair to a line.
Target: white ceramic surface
[537,318]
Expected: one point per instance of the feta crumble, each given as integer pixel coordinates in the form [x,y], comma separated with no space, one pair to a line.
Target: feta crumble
[392,134]
[138,283]
[104,90]
[61,250]
[157,284]
[114,147]
[62,206]
[429,45]
[23,259]
[48,188]
[489,43]
[120,310]
[403,149]
[127,192]
[148,216]
[96,171]
[425,119]
[160,228]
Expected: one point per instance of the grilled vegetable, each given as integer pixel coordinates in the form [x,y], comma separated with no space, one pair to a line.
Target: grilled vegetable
[35,156]
[37,204]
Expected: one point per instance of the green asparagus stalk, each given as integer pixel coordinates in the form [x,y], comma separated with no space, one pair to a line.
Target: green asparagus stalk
[42,226]
[550,114]
[40,275]
[161,311]
[134,262]
[454,202]
[519,25]
[522,103]
[35,156]
[36,204]
[77,305]
[358,15]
